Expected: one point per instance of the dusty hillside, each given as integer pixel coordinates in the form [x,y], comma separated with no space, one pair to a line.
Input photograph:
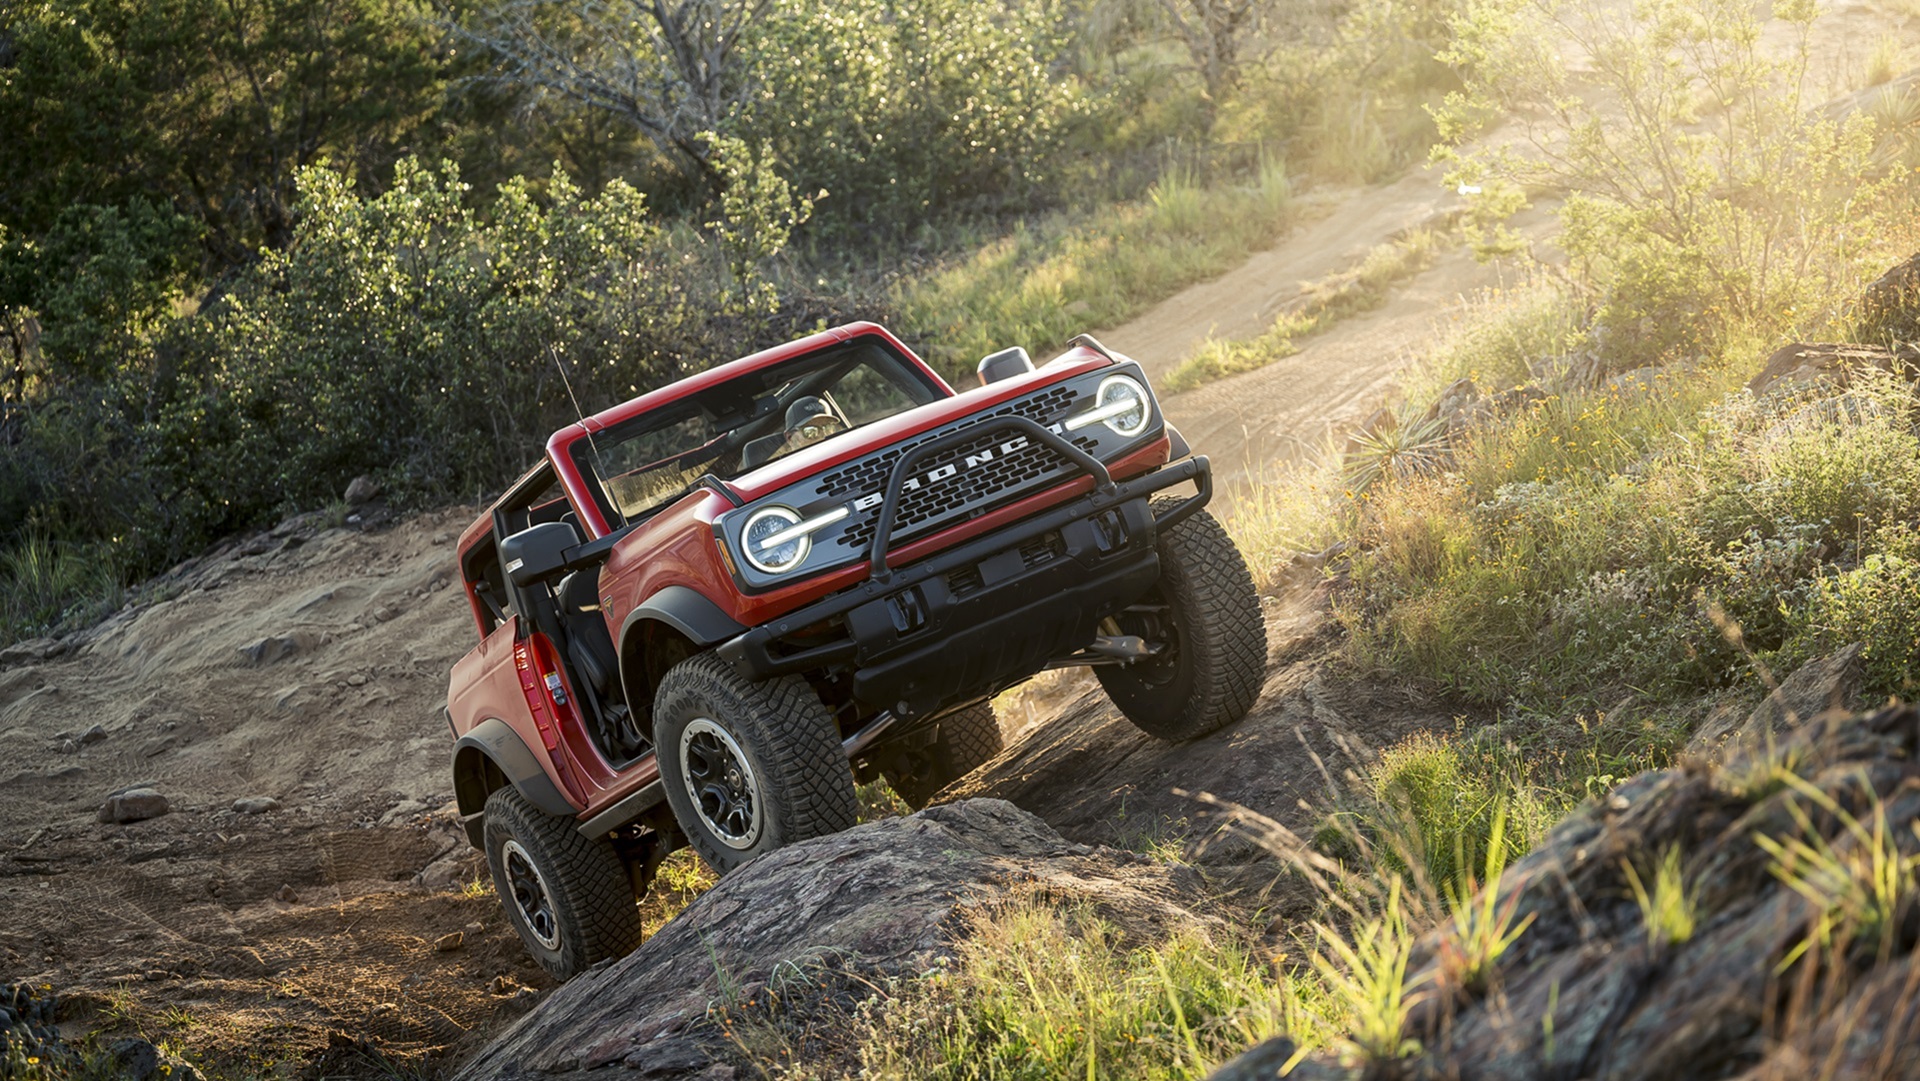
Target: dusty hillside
[306,666]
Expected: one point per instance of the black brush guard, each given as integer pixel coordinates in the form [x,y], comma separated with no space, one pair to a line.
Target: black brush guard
[914,644]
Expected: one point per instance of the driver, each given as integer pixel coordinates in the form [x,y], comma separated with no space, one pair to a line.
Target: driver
[808,421]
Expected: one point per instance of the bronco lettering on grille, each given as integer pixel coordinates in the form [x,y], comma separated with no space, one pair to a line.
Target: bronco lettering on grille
[915,483]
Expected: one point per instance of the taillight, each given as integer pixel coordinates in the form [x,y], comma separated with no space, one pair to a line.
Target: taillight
[537,693]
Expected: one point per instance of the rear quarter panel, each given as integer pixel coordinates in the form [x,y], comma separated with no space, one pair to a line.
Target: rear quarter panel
[485,685]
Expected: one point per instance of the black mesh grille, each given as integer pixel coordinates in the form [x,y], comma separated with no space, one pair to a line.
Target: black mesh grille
[868,475]
[973,488]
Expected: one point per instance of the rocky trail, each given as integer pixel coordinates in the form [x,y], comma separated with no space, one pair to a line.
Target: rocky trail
[221,816]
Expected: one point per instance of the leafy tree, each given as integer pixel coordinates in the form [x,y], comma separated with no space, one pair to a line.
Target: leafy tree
[673,70]
[98,285]
[886,104]
[212,106]
[1697,176]
[1216,34]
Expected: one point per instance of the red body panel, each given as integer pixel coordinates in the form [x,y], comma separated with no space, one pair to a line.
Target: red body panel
[485,685]
[677,547]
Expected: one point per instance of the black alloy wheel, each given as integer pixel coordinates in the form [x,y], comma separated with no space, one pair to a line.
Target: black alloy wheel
[569,896]
[748,766]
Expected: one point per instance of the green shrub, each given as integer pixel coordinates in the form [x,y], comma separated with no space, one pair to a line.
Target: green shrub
[1702,192]
[899,109]
[1036,992]
[1435,803]
[408,334]
[1876,604]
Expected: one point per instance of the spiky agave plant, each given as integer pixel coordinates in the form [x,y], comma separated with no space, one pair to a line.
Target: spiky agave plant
[1896,120]
[1404,450]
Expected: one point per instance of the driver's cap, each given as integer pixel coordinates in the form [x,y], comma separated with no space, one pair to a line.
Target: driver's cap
[804,409]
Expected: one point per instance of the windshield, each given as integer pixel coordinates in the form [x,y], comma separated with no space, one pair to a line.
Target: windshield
[748,421]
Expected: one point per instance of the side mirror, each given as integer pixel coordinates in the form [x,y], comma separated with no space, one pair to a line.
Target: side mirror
[539,553]
[1005,364]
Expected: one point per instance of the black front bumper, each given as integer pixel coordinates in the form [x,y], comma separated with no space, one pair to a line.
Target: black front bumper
[973,619]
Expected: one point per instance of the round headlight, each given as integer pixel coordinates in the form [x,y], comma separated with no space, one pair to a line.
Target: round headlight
[1119,390]
[779,558]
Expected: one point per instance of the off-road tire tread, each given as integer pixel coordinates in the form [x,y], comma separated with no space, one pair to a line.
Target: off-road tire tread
[593,893]
[1204,570]
[968,739]
[809,783]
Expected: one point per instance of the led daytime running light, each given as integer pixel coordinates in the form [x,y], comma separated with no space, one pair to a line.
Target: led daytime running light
[803,529]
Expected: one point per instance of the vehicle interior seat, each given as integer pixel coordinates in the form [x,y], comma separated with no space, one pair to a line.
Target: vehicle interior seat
[588,645]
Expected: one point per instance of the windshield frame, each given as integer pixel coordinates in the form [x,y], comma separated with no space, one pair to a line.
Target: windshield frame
[751,402]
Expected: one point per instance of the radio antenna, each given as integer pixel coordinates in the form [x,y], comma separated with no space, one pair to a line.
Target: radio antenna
[579,413]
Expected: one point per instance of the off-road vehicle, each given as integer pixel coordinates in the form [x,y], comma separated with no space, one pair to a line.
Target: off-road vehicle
[708,612]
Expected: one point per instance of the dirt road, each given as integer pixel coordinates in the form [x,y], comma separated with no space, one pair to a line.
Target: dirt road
[1342,225]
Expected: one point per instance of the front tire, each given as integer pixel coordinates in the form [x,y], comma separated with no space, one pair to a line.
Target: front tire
[1205,615]
[568,895]
[968,738]
[748,766]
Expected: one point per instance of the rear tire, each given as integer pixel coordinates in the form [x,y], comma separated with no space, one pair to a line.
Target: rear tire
[1204,611]
[568,895]
[967,739]
[748,766]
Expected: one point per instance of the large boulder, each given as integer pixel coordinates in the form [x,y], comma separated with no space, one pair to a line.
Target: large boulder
[1753,987]
[1891,305]
[1805,365]
[876,900]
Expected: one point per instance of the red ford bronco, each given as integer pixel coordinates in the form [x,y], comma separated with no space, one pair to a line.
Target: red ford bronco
[708,612]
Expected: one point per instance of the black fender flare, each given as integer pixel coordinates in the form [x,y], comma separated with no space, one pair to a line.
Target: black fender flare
[494,740]
[1179,448]
[686,611]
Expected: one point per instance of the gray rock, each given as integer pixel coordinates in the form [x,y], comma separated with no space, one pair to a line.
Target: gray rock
[363,490]
[1584,991]
[1455,405]
[1263,1062]
[133,805]
[93,735]
[31,651]
[1893,300]
[255,805]
[878,899]
[276,646]
[452,871]
[1826,685]
[138,1060]
[135,1059]
[1807,364]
